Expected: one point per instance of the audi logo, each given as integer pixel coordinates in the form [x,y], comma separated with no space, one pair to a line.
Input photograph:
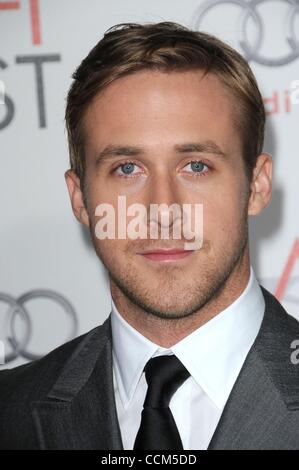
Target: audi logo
[250,11]
[17,308]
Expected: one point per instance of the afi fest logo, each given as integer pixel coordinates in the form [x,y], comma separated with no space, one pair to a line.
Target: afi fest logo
[34,17]
[36,60]
[286,276]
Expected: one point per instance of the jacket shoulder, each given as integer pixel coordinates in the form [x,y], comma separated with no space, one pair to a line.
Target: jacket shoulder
[33,380]
[281,321]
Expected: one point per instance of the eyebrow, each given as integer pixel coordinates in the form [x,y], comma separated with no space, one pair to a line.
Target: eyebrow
[111,151]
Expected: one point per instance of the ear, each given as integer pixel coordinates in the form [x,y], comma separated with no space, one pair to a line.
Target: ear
[261,185]
[76,197]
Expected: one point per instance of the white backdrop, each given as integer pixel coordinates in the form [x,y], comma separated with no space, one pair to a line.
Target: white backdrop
[42,245]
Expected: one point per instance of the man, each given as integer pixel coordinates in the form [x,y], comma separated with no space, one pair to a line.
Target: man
[195,354]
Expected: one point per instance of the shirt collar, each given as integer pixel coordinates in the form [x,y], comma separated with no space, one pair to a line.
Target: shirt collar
[213,354]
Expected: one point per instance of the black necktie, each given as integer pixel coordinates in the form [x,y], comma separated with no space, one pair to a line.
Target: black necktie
[158,430]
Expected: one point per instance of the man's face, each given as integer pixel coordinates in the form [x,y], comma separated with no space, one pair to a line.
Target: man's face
[157,112]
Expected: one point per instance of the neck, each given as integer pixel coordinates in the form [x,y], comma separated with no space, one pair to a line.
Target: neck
[167,332]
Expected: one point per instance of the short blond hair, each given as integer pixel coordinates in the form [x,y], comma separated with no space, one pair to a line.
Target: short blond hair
[130,47]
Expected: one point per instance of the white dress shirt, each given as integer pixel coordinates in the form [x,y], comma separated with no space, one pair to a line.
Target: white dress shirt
[213,354]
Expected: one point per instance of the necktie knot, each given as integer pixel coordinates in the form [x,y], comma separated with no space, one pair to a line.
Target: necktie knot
[164,375]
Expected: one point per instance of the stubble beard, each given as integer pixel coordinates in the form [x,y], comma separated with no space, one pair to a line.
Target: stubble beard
[176,298]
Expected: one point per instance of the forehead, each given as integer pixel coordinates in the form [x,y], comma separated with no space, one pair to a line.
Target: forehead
[158,105]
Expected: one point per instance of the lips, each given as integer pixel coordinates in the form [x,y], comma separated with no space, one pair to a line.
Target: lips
[166,255]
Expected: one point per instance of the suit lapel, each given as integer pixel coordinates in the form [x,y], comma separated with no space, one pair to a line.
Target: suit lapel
[79,412]
[262,411]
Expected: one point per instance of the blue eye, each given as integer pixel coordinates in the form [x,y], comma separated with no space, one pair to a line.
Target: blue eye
[127,168]
[197,167]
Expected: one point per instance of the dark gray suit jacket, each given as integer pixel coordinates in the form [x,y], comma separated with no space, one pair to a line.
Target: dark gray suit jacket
[66,399]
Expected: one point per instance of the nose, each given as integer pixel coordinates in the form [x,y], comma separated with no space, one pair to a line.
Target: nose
[164,208]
